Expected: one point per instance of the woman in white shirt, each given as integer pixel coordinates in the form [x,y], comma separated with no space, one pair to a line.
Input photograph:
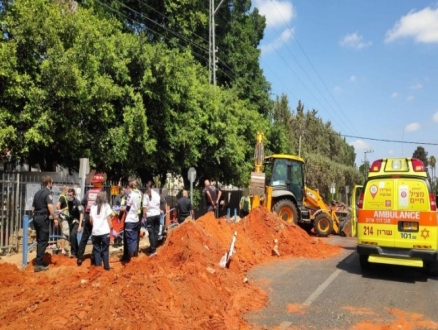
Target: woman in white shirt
[151,211]
[100,218]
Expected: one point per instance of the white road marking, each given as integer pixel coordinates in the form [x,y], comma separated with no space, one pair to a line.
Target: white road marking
[321,288]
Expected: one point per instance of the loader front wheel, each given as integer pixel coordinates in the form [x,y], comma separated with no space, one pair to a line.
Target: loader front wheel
[286,210]
[323,225]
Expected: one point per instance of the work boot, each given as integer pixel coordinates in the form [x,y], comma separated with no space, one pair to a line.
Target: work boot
[40,268]
[125,258]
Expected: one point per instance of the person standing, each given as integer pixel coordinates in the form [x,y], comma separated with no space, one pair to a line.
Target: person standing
[244,205]
[88,200]
[151,211]
[100,218]
[120,199]
[42,208]
[132,223]
[184,207]
[163,206]
[118,221]
[212,196]
[62,206]
[76,216]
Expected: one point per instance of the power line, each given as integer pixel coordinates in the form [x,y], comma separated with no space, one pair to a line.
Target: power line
[386,140]
[177,34]
[314,85]
[193,33]
[152,30]
[287,64]
[308,59]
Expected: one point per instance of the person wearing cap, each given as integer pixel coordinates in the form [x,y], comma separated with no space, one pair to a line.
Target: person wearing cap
[88,201]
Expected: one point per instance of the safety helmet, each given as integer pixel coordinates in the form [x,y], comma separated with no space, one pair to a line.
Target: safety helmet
[97,178]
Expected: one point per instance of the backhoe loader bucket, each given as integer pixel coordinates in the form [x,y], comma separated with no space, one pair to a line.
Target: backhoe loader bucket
[345,226]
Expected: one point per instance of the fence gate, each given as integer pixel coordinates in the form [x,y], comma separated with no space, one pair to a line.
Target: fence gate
[10,222]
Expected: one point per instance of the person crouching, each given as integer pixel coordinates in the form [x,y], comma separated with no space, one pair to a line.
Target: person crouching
[100,219]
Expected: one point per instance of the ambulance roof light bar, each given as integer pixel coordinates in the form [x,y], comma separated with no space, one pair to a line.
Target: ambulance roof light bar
[375,167]
[417,165]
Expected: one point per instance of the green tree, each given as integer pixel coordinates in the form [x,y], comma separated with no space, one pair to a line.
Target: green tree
[66,89]
[421,154]
[432,163]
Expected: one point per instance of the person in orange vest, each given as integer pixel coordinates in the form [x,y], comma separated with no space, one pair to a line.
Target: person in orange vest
[88,200]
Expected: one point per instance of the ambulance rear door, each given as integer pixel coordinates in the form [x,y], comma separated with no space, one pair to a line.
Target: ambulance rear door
[416,222]
[376,224]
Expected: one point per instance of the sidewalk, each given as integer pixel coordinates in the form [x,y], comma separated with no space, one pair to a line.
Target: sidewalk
[16,258]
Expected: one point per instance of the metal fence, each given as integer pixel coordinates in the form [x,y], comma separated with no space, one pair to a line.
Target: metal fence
[18,189]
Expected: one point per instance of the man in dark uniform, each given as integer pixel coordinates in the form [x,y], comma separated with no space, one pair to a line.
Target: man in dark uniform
[42,208]
[212,197]
[76,215]
[185,208]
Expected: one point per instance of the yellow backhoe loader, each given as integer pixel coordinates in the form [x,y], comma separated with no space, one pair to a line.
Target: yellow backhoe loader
[278,183]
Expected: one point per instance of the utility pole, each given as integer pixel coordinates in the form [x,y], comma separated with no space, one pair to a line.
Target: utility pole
[365,161]
[212,60]
[299,143]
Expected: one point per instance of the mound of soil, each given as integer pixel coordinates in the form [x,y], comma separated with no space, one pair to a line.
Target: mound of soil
[183,287]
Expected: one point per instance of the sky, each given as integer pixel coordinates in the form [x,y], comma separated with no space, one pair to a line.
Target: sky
[369,67]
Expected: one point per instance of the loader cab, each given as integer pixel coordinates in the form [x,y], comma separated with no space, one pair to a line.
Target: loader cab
[285,174]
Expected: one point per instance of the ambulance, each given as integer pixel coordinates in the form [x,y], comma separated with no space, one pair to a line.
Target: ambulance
[397,216]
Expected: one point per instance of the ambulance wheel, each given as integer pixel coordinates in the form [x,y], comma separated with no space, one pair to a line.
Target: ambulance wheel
[323,225]
[364,263]
[286,210]
[433,268]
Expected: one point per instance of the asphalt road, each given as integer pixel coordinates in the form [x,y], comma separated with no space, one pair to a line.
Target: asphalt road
[335,294]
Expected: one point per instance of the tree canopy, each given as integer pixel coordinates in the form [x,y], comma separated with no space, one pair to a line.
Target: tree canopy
[126,84]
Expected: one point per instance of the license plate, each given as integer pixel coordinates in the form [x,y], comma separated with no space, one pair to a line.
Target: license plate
[408,226]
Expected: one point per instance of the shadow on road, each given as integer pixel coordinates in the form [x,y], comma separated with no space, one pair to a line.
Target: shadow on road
[391,273]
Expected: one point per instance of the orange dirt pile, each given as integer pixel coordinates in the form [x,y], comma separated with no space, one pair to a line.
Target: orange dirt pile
[183,287]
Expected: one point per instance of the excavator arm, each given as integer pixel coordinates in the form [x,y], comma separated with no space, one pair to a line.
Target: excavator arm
[257,183]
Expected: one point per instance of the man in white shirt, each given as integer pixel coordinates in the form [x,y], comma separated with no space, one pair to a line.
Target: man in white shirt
[151,211]
[132,223]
